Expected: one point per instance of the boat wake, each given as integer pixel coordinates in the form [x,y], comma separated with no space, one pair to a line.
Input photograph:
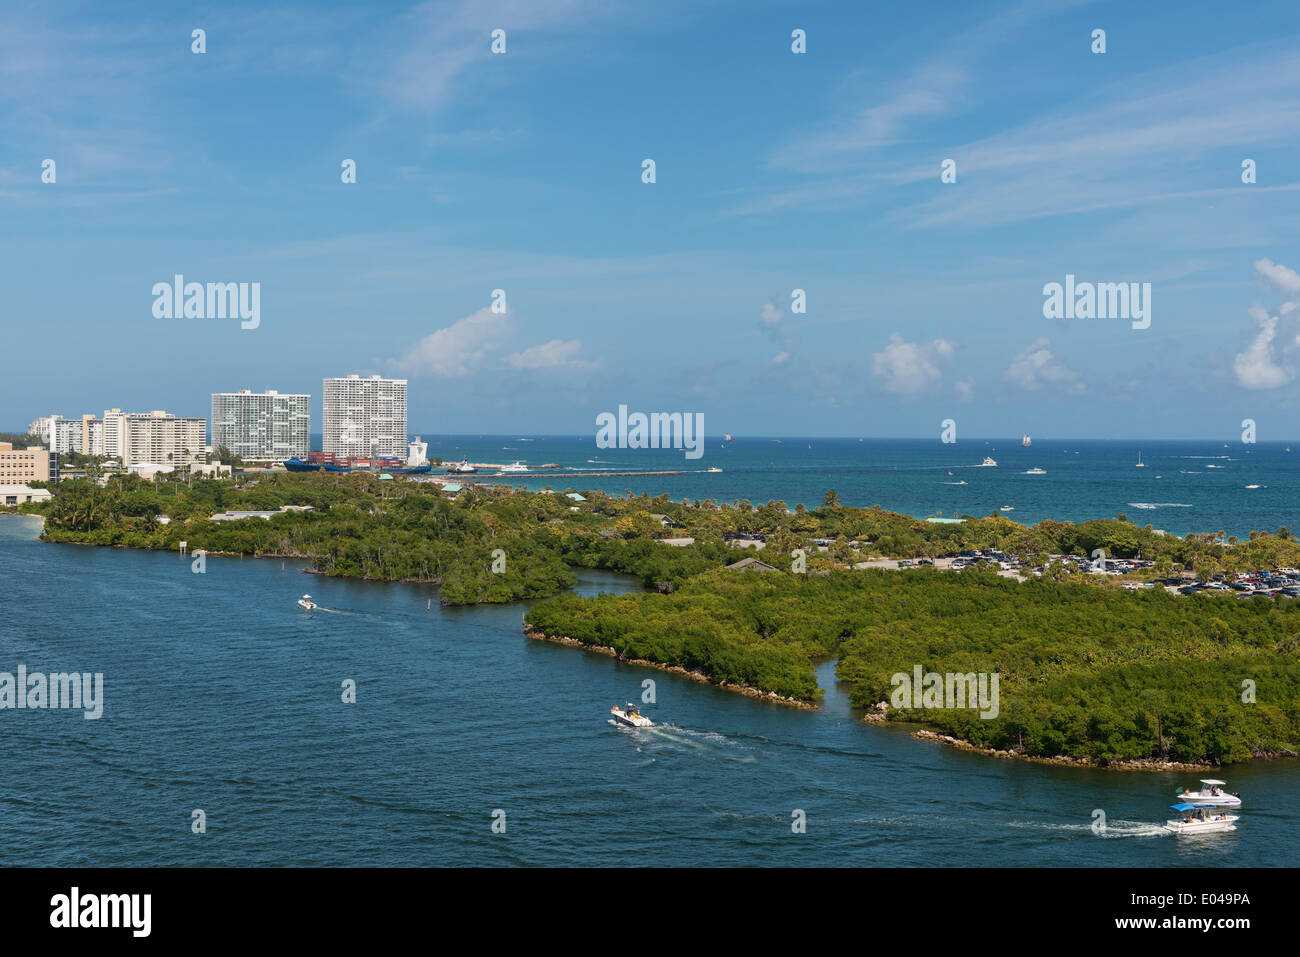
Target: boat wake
[704,742]
[1113,829]
[1150,505]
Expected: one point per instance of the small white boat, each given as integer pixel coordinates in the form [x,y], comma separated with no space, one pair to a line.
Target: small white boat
[1036,472]
[1211,794]
[988,462]
[1252,486]
[1140,465]
[1200,819]
[630,716]
[1007,508]
[1026,441]
[515,466]
[713,468]
[306,604]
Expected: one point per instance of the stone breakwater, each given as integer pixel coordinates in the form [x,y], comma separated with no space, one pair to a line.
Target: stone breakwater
[700,676]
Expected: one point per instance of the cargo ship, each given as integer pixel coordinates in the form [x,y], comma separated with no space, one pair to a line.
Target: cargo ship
[417,462]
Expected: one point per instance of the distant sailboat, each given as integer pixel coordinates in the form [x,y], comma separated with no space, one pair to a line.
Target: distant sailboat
[1140,465]
[1026,441]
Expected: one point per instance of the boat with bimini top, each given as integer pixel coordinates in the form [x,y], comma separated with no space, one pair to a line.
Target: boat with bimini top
[1211,793]
[1200,819]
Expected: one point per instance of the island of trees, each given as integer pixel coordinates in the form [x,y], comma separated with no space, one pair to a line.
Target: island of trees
[1088,670]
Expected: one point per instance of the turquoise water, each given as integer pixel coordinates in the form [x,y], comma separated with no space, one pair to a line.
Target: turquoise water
[1184,486]
[221,695]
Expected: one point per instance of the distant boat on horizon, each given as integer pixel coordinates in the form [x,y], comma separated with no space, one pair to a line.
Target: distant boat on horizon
[1140,465]
[1026,441]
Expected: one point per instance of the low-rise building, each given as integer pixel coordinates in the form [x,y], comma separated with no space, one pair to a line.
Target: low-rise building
[21,494]
[19,466]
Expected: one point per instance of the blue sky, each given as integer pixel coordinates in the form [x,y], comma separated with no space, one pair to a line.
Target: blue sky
[775,171]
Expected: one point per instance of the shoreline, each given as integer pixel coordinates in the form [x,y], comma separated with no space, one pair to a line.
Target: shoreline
[1126,764]
[748,690]
[1097,764]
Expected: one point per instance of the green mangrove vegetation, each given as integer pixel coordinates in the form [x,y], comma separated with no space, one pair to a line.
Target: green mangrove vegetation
[1087,670]
[1084,672]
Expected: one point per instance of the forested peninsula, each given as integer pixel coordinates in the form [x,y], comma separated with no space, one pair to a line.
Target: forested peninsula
[1088,670]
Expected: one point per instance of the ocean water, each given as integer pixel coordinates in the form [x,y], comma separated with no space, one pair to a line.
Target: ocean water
[1184,487]
[221,695]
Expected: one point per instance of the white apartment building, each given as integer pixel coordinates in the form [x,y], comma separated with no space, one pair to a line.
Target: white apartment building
[364,416]
[262,426]
[156,437]
[84,435]
[41,428]
[114,433]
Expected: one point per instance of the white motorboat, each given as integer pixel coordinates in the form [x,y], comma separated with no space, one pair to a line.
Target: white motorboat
[1036,471]
[713,468]
[306,604]
[630,716]
[1007,508]
[515,466]
[1211,794]
[1200,819]
[988,462]
[462,468]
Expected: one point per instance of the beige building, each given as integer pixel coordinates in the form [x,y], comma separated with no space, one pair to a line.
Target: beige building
[157,438]
[19,466]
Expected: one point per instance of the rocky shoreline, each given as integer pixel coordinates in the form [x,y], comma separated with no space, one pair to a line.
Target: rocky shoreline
[1129,764]
[539,635]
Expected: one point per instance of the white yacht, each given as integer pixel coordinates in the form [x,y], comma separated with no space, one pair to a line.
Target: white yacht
[630,716]
[1007,508]
[1211,794]
[1036,471]
[515,466]
[306,604]
[1200,819]
[988,462]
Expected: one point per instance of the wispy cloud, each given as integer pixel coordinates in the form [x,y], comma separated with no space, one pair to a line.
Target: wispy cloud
[1035,367]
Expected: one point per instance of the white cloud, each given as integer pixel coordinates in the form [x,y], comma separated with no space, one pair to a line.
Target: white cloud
[556,354]
[780,358]
[965,390]
[1264,363]
[1034,367]
[1256,368]
[456,351]
[770,315]
[1286,281]
[910,367]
